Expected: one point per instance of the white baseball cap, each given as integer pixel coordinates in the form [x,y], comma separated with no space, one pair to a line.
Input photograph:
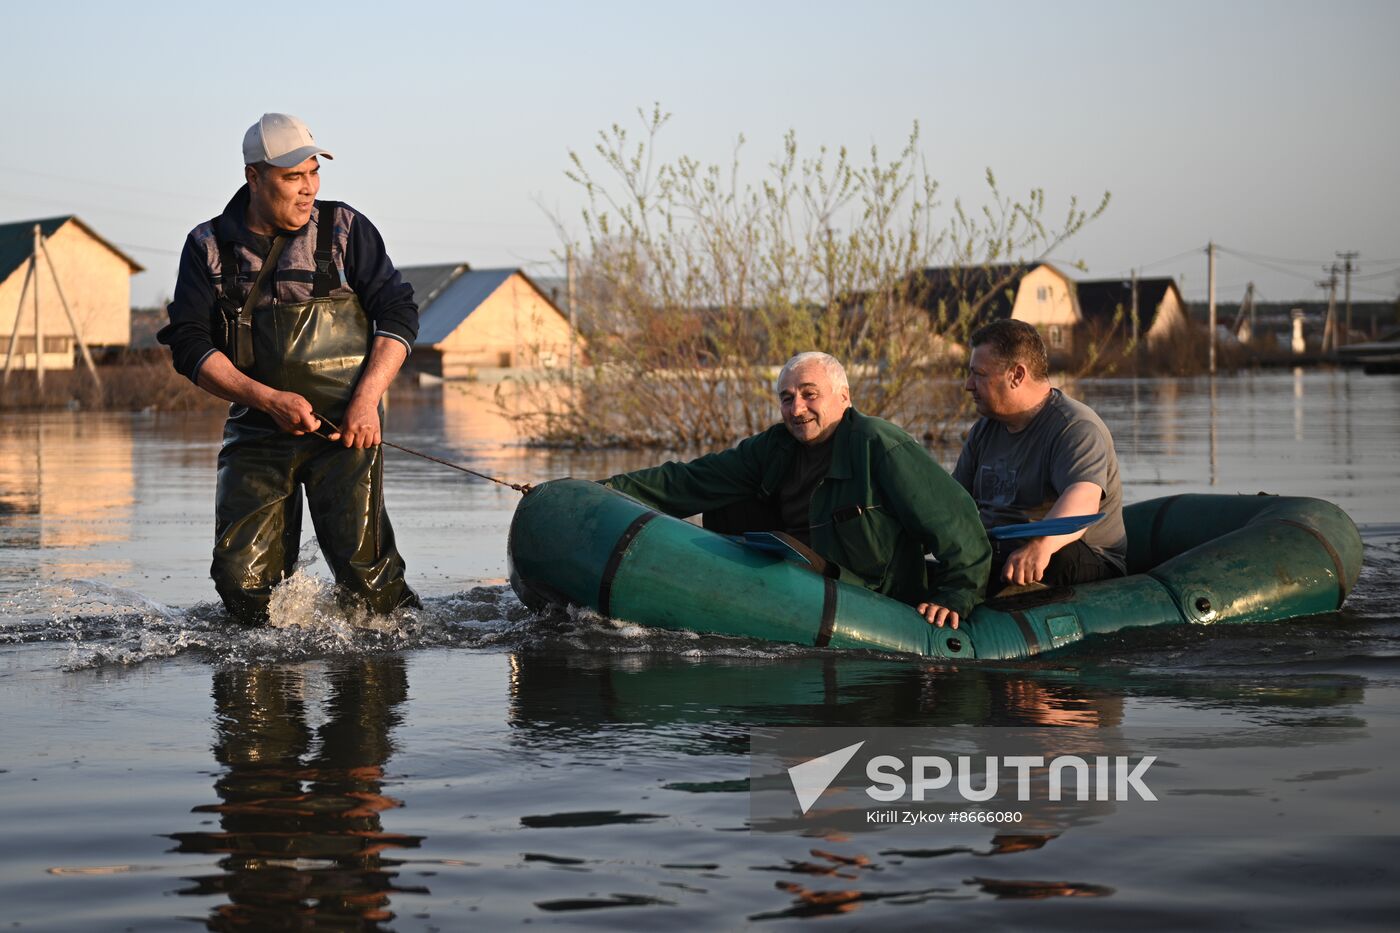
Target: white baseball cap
[280,139]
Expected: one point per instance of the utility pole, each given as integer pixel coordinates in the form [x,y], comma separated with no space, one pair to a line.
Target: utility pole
[569,297]
[1252,331]
[1348,269]
[1135,310]
[1329,329]
[1210,277]
[67,311]
[1246,312]
[29,273]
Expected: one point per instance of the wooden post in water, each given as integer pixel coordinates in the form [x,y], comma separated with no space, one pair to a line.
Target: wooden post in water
[19,313]
[68,312]
[1210,279]
[38,318]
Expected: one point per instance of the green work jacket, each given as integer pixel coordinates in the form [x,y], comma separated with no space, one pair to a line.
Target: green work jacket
[883,504]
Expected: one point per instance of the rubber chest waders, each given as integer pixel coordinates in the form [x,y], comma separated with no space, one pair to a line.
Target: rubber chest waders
[317,349]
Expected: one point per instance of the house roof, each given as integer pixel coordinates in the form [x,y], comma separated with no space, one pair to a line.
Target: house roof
[951,284]
[451,293]
[429,281]
[17,241]
[556,289]
[1100,299]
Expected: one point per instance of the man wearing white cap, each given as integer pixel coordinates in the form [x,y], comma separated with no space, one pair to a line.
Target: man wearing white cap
[290,308]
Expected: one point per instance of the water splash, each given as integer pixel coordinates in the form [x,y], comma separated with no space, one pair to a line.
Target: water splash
[97,625]
[93,625]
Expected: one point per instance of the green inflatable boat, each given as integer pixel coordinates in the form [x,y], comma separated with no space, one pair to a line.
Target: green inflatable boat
[1200,559]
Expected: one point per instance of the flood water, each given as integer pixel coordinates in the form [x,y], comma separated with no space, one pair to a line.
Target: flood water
[475,765]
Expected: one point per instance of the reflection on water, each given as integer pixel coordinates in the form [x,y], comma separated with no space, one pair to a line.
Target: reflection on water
[702,709]
[1214,432]
[1298,404]
[611,785]
[463,415]
[560,767]
[63,485]
[610,707]
[568,699]
[301,842]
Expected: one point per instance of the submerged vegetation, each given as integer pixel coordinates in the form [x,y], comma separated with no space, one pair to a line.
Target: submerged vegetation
[695,281]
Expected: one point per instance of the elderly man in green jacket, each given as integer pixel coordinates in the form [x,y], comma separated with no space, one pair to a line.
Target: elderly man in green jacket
[857,490]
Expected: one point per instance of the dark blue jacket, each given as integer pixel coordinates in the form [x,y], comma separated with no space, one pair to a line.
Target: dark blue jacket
[361,261]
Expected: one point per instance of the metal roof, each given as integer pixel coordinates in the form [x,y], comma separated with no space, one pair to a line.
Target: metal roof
[443,313]
[17,241]
[429,281]
[1101,298]
[997,283]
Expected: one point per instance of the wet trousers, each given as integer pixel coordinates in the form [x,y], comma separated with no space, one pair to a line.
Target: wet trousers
[258,513]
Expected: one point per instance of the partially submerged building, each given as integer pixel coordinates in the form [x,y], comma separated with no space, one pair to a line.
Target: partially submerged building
[475,322]
[96,282]
[1070,315]
[1110,310]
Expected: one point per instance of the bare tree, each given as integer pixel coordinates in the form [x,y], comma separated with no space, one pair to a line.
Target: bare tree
[695,284]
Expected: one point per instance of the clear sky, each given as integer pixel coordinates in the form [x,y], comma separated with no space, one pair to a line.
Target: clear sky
[1270,127]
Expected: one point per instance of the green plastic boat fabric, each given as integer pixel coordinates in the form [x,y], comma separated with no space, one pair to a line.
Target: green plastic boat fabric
[1201,559]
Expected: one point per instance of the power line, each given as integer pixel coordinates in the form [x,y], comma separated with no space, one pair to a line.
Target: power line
[1181,255]
[102,184]
[1261,257]
[1202,291]
[1391,296]
[147,249]
[66,202]
[1377,275]
[1266,265]
[133,189]
[1263,260]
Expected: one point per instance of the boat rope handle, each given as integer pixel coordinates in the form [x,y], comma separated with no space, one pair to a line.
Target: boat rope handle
[518,487]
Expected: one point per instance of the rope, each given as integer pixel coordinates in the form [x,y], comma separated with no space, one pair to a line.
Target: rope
[518,487]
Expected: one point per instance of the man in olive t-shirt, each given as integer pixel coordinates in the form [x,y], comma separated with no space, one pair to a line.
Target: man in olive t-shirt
[1036,453]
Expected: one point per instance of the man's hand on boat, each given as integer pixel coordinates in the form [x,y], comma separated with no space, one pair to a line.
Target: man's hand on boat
[935,614]
[1027,563]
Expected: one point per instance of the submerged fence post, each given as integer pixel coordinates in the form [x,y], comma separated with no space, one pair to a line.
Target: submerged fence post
[1210,278]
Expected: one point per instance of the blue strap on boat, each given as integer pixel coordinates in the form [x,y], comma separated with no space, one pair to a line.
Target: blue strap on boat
[770,543]
[1043,529]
